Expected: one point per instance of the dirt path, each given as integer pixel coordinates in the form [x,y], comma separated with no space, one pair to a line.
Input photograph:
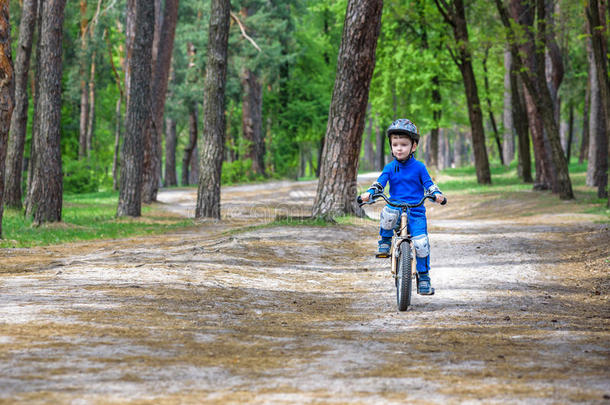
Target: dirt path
[306,314]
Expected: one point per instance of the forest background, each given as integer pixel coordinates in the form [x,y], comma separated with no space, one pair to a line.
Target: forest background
[282,60]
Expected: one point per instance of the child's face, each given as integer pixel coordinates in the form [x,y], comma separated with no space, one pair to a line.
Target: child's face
[402,146]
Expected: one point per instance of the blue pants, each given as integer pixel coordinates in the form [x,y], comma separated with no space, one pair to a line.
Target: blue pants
[418,226]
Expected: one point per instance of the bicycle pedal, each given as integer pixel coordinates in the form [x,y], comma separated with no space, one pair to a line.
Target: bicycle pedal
[382,255]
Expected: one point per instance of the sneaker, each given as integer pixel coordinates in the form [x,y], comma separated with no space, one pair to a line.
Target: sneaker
[423,284]
[383,250]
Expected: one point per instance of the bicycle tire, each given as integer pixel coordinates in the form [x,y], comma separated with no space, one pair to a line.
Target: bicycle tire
[403,277]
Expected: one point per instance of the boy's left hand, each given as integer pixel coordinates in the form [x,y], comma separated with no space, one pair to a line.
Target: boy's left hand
[439,198]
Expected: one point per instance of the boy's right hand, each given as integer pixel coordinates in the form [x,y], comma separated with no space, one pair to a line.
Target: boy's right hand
[365,196]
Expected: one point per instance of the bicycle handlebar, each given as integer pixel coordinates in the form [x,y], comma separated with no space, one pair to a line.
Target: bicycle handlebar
[376,196]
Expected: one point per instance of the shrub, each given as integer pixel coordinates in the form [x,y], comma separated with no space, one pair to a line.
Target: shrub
[80,177]
[239,171]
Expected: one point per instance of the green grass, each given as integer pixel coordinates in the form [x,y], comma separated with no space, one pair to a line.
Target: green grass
[93,216]
[85,217]
[505,181]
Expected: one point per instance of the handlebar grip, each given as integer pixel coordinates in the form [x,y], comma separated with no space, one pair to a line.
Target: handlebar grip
[444,201]
[359,200]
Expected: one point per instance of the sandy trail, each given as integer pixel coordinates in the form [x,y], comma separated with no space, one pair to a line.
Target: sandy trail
[234,312]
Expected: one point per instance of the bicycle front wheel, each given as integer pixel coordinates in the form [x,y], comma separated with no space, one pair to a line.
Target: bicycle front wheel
[403,277]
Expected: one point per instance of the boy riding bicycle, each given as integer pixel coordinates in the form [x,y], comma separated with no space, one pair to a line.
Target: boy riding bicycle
[408,179]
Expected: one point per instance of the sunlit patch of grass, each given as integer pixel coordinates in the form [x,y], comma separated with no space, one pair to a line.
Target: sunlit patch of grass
[86,217]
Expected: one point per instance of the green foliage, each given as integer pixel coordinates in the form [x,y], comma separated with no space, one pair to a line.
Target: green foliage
[80,177]
[239,171]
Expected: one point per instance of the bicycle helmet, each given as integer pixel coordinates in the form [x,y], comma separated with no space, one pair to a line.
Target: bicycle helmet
[405,127]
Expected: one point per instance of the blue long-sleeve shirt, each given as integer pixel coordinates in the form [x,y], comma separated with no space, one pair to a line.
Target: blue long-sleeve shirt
[408,181]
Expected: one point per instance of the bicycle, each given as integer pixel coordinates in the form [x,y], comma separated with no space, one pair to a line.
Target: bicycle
[402,248]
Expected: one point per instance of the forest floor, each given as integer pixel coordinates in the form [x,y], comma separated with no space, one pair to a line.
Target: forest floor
[240,311]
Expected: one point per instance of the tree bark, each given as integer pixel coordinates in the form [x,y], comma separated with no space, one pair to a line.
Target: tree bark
[7,89]
[337,184]
[44,202]
[380,140]
[584,140]
[91,115]
[455,14]
[570,132]
[130,32]
[117,141]
[542,96]
[369,152]
[36,101]
[170,152]
[436,116]
[214,125]
[194,171]
[19,119]
[190,148]
[84,91]
[139,62]
[117,115]
[162,64]
[507,116]
[252,120]
[524,14]
[492,119]
[520,117]
[599,43]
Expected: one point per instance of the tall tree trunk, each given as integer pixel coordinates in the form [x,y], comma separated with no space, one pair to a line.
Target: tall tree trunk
[117,141]
[84,91]
[492,119]
[542,96]
[584,140]
[139,61]
[597,121]
[117,114]
[356,62]
[380,142]
[542,160]
[455,15]
[524,14]
[320,150]
[171,139]
[507,116]
[130,32]
[7,89]
[19,119]
[36,101]
[162,64]
[570,132]
[252,124]
[599,42]
[190,148]
[214,125]
[44,202]
[369,153]
[91,115]
[194,171]
[436,116]
[520,116]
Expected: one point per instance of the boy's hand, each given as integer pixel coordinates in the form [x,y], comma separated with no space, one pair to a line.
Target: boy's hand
[440,198]
[365,196]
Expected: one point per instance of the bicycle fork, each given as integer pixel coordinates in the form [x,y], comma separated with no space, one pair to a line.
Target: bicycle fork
[403,237]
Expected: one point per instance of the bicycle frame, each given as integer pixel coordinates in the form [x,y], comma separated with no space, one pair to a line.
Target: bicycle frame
[400,238]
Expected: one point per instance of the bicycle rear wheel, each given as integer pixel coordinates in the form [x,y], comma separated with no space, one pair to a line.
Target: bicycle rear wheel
[403,277]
